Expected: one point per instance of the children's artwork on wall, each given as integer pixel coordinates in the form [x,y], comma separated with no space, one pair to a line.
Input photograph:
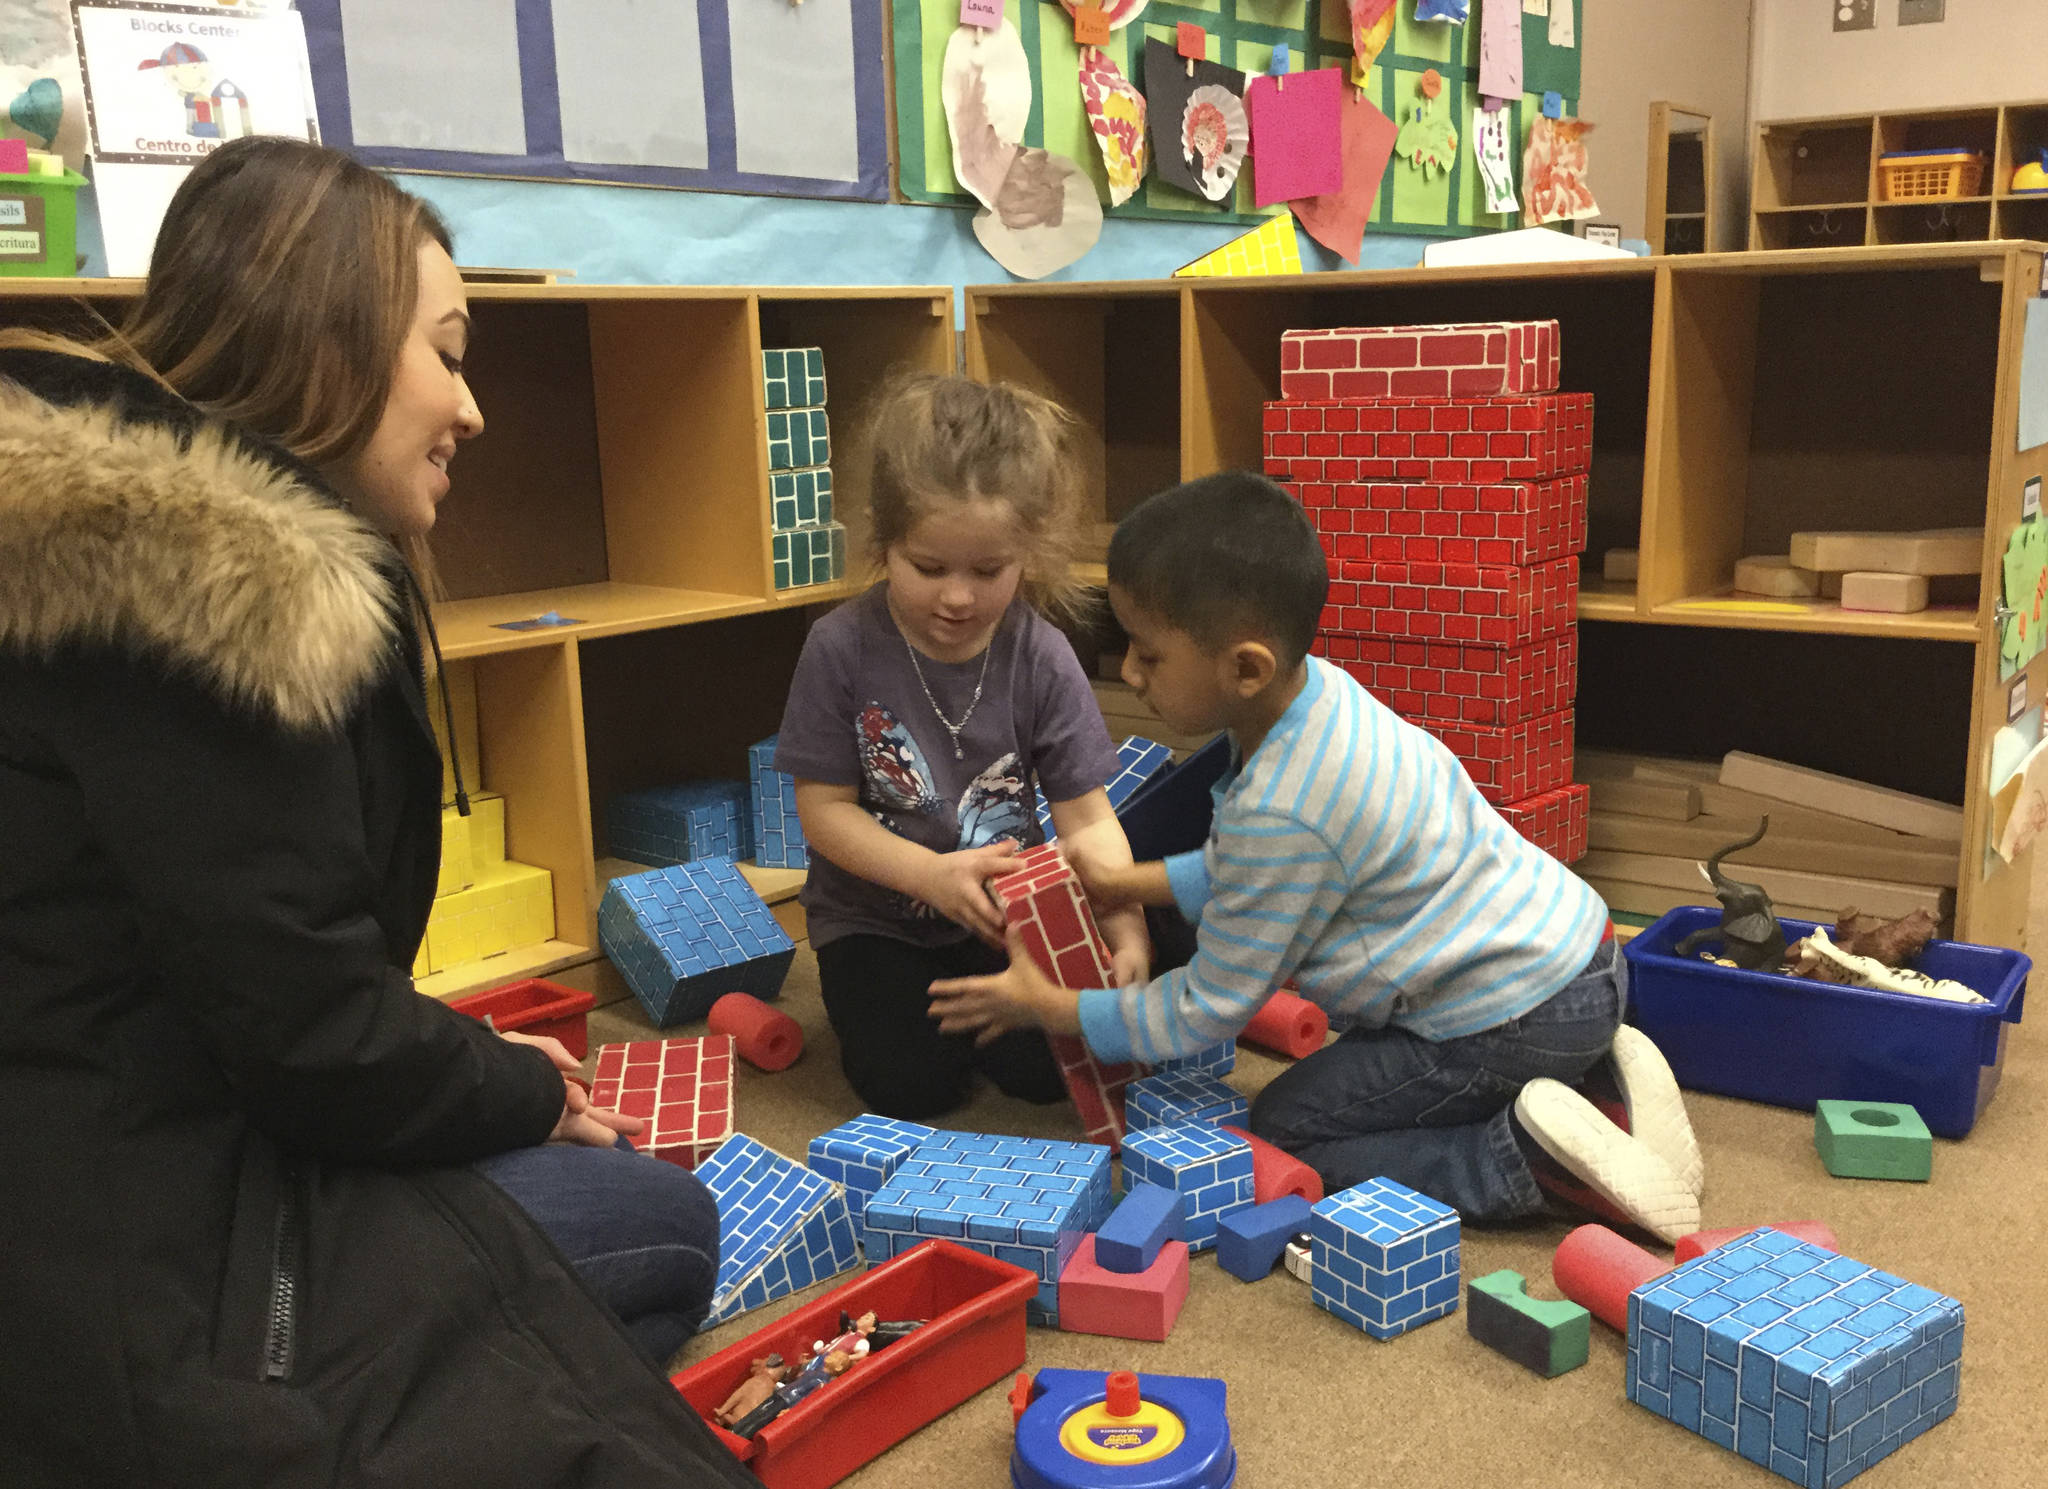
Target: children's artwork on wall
[1198,123]
[1492,153]
[987,91]
[1368,40]
[2025,570]
[1554,185]
[1296,123]
[1337,219]
[1550,66]
[741,96]
[1500,49]
[1272,249]
[1428,139]
[1116,13]
[1045,216]
[1453,11]
[1563,24]
[2033,420]
[1116,117]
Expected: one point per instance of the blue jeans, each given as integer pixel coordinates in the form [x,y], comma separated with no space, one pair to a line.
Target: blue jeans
[643,1234]
[1434,1115]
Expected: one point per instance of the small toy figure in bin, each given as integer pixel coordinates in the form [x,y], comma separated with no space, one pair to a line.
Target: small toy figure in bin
[821,1371]
[767,1372]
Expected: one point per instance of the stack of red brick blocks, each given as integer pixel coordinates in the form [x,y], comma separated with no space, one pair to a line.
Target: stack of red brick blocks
[1446,476]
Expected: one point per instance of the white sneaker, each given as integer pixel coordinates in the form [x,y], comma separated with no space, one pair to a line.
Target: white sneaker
[1656,1108]
[1617,1176]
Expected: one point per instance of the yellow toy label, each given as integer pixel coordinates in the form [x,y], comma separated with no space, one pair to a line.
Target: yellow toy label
[1094,1435]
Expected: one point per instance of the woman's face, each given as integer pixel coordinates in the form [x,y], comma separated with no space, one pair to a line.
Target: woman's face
[397,479]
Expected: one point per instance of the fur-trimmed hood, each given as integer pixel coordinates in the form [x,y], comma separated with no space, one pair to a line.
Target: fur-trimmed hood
[125,522]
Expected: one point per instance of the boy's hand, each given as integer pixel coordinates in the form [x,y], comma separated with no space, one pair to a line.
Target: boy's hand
[957,887]
[1018,997]
[1131,965]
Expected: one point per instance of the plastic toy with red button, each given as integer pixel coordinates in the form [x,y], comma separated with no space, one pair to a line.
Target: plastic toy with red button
[1083,1429]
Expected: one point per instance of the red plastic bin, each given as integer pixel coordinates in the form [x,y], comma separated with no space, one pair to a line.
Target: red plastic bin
[534,1006]
[975,1338]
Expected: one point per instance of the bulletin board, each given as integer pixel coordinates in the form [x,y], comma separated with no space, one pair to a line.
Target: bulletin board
[1242,34]
[753,96]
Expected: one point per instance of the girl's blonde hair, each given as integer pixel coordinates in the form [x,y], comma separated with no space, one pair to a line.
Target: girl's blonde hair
[281,289]
[940,438]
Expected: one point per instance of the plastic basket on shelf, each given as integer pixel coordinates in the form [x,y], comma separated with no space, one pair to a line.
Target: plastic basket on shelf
[1929,175]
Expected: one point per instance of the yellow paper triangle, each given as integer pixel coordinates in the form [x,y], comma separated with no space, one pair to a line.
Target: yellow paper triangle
[1270,248]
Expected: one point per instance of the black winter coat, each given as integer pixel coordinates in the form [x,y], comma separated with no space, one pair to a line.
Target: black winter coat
[237,1241]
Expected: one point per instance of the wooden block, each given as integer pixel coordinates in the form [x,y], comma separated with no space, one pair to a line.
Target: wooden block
[1871,896]
[1880,805]
[1651,767]
[1618,565]
[1655,899]
[1717,800]
[1895,594]
[1933,863]
[1942,550]
[1668,800]
[1775,575]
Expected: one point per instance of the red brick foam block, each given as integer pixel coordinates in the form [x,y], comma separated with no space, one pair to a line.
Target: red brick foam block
[1469,604]
[1042,898]
[1123,1305]
[1554,821]
[682,1087]
[1512,523]
[1437,441]
[1492,685]
[1514,763]
[1467,360]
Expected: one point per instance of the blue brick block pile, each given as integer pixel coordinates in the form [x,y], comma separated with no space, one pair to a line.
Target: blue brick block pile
[685,936]
[771,808]
[1210,1169]
[680,823]
[1385,1257]
[1137,761]
[1182,1098]
[800,498]
[797,438]
[863,1153]
[1808,1363]
[781,1227]
[1021,1200]
[793,376]
[1217,1059]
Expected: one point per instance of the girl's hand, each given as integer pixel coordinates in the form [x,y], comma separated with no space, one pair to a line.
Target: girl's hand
[1018,997]
[957,887]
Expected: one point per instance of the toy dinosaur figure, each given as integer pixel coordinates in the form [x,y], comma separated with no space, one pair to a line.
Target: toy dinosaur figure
[1749,932]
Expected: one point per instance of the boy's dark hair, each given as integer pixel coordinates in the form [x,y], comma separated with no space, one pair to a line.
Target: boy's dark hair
[1222,558]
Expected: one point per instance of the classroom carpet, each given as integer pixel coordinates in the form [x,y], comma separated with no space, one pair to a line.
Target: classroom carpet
[1314,1402]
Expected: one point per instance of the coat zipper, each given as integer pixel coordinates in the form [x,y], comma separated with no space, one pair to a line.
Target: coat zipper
[281,1329]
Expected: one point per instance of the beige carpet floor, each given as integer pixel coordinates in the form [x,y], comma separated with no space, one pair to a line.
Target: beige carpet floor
[1314,1402]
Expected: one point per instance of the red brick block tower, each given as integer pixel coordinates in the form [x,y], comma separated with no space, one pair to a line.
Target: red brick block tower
[1446,477]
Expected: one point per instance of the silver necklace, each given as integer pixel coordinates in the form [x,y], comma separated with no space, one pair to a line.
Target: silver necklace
[952,729]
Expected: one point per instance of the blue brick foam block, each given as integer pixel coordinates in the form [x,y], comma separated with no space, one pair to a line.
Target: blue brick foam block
[1385,1257]
[1027,1201]
[804,556]
[1182,1098]
[793,376]
[685,936]
[1806,1362]
[1210,1169]
[777,832]
[680,823]
[1137,761]
[780,1227]
[799,438]
[799,498]
[1217,1059]
[863,1153]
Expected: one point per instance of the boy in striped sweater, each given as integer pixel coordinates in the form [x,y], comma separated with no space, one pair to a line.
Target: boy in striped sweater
[1475,977]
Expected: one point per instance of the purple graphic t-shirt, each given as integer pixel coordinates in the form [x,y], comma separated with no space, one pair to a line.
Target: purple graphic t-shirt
[856,716]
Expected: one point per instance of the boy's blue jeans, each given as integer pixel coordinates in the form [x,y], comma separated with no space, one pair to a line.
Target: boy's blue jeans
[1434,1115]
[643,1234]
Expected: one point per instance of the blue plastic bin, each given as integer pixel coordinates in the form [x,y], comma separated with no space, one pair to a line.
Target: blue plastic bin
[1792,1041]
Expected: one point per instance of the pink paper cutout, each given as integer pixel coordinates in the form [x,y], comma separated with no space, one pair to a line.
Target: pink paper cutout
[987,14]
[1337,219]
[1296,135]
[1500,49]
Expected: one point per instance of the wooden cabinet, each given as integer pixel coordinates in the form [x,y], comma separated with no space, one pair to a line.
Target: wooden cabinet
[1678,197]
[621,482]
[1739,397]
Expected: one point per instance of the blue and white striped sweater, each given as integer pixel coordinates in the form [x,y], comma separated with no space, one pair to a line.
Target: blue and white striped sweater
[1353,855]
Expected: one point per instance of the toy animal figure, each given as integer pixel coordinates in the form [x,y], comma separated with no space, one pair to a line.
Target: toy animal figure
[763,1376]
[820,1372]
[1749,931]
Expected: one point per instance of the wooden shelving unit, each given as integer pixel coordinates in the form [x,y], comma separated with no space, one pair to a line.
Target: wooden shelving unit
[622,481]
[1739,397]
[1678,198]
[1815,183]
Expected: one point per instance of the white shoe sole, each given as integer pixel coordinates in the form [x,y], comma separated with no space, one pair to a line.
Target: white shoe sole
[1656,1108]
[1621,1169]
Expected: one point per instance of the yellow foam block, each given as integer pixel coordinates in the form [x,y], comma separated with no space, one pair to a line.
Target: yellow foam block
[510,905]
[455,854]
[486,833]
[1271,248]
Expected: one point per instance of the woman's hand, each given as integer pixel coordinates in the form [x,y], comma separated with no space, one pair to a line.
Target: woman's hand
[580,1122]
[957,887]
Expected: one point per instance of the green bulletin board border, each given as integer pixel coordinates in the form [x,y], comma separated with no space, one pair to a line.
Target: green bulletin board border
[1242,34]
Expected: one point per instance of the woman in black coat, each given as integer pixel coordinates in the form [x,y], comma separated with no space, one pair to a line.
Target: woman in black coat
[241,1240]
